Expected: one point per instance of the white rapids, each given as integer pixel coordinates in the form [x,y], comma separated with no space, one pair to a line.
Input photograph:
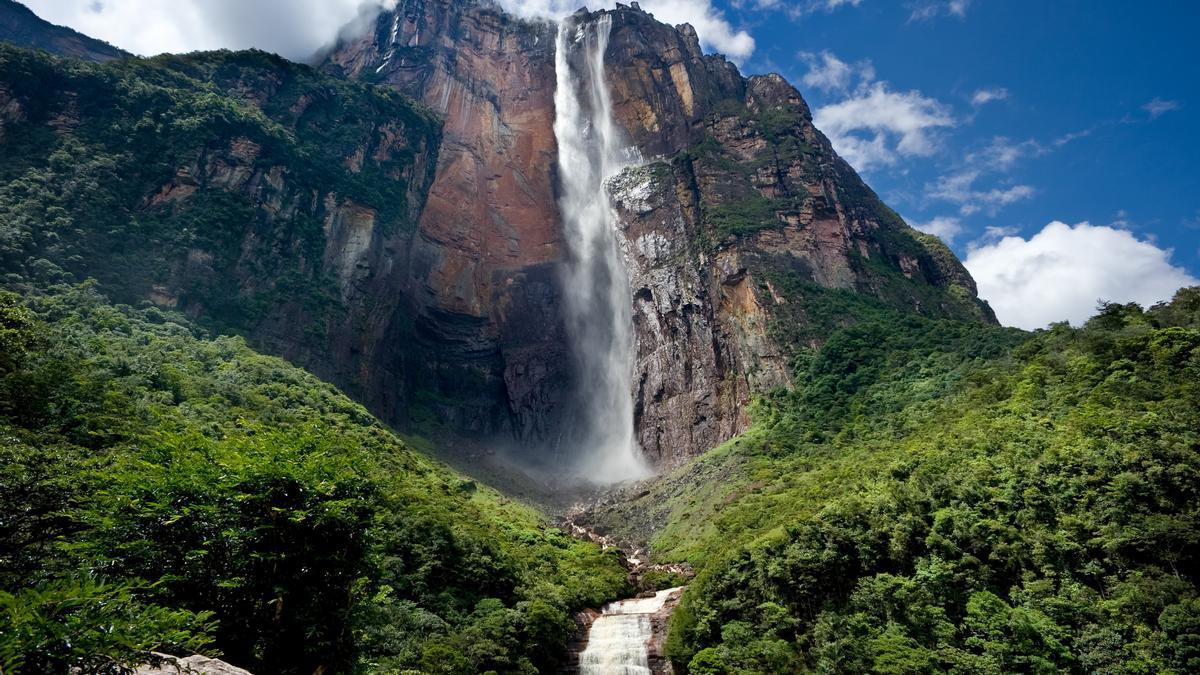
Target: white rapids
[598,300]
[619,639]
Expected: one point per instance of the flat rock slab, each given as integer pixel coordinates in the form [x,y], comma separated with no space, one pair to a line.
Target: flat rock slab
[191,665]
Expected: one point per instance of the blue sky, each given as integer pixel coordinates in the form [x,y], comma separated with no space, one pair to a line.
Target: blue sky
[1075,80]
[1052,144]
[1008,115]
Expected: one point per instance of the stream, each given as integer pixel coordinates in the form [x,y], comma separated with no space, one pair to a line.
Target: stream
[619,640]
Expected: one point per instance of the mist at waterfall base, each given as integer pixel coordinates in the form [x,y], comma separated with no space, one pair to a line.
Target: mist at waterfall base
[600,438]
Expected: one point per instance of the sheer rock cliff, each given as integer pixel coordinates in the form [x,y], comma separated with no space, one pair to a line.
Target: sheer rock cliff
[741,201]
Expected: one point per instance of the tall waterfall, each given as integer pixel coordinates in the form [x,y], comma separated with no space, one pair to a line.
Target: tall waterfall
[598,298]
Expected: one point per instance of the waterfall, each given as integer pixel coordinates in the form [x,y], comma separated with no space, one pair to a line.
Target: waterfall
[618,641]
[598,300]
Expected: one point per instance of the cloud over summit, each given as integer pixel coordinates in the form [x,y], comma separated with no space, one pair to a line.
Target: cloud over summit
[297,29]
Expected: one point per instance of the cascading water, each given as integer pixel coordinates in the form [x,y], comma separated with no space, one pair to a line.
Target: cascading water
[598,298]
[618,641]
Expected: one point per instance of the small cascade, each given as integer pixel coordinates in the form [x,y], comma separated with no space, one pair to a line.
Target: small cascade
[619,639]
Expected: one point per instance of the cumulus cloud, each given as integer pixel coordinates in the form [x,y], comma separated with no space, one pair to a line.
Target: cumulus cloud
[946,228]
[1061,272]
[713,28]
[296,29]
[877,126]
[1158,107]
[987,95]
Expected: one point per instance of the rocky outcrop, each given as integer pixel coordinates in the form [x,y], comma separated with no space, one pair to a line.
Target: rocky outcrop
[165,664]
[659,623]
[701,341]
[743,196]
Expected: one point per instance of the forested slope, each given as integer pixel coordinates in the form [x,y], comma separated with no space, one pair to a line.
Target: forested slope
[938,496]
[162,489]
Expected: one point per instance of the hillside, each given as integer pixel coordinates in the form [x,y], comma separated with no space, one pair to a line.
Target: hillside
[253,194]
[950,497]
[161,489]
[328,221]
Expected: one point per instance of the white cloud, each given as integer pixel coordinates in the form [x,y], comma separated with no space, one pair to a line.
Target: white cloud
[929,9]
[1073,136]
[826,72]
[987,95]
[295,29]
[1157,107]
[876,126]
[999,156]
[711,26]
[994,233]
[959,188]
[1061,272]
[947,228]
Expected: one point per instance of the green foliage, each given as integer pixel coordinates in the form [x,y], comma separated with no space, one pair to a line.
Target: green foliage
[746,216]
[200,173]
[81,623]
[19,331]
[935,496]
[272,519]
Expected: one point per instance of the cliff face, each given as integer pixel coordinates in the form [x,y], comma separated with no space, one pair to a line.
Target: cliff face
[489,242]
[741,219]
[415,258]
[744,218]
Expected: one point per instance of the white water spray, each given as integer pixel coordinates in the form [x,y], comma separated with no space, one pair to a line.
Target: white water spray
[598,298]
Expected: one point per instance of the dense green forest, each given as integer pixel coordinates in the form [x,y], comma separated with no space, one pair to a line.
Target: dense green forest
[165,152]
[950,497]
[160,489]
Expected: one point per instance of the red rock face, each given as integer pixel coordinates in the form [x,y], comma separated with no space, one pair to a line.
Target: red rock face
[484,265]
[740,192]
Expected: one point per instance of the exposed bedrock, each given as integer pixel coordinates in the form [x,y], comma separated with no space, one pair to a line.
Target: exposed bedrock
[741,207]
